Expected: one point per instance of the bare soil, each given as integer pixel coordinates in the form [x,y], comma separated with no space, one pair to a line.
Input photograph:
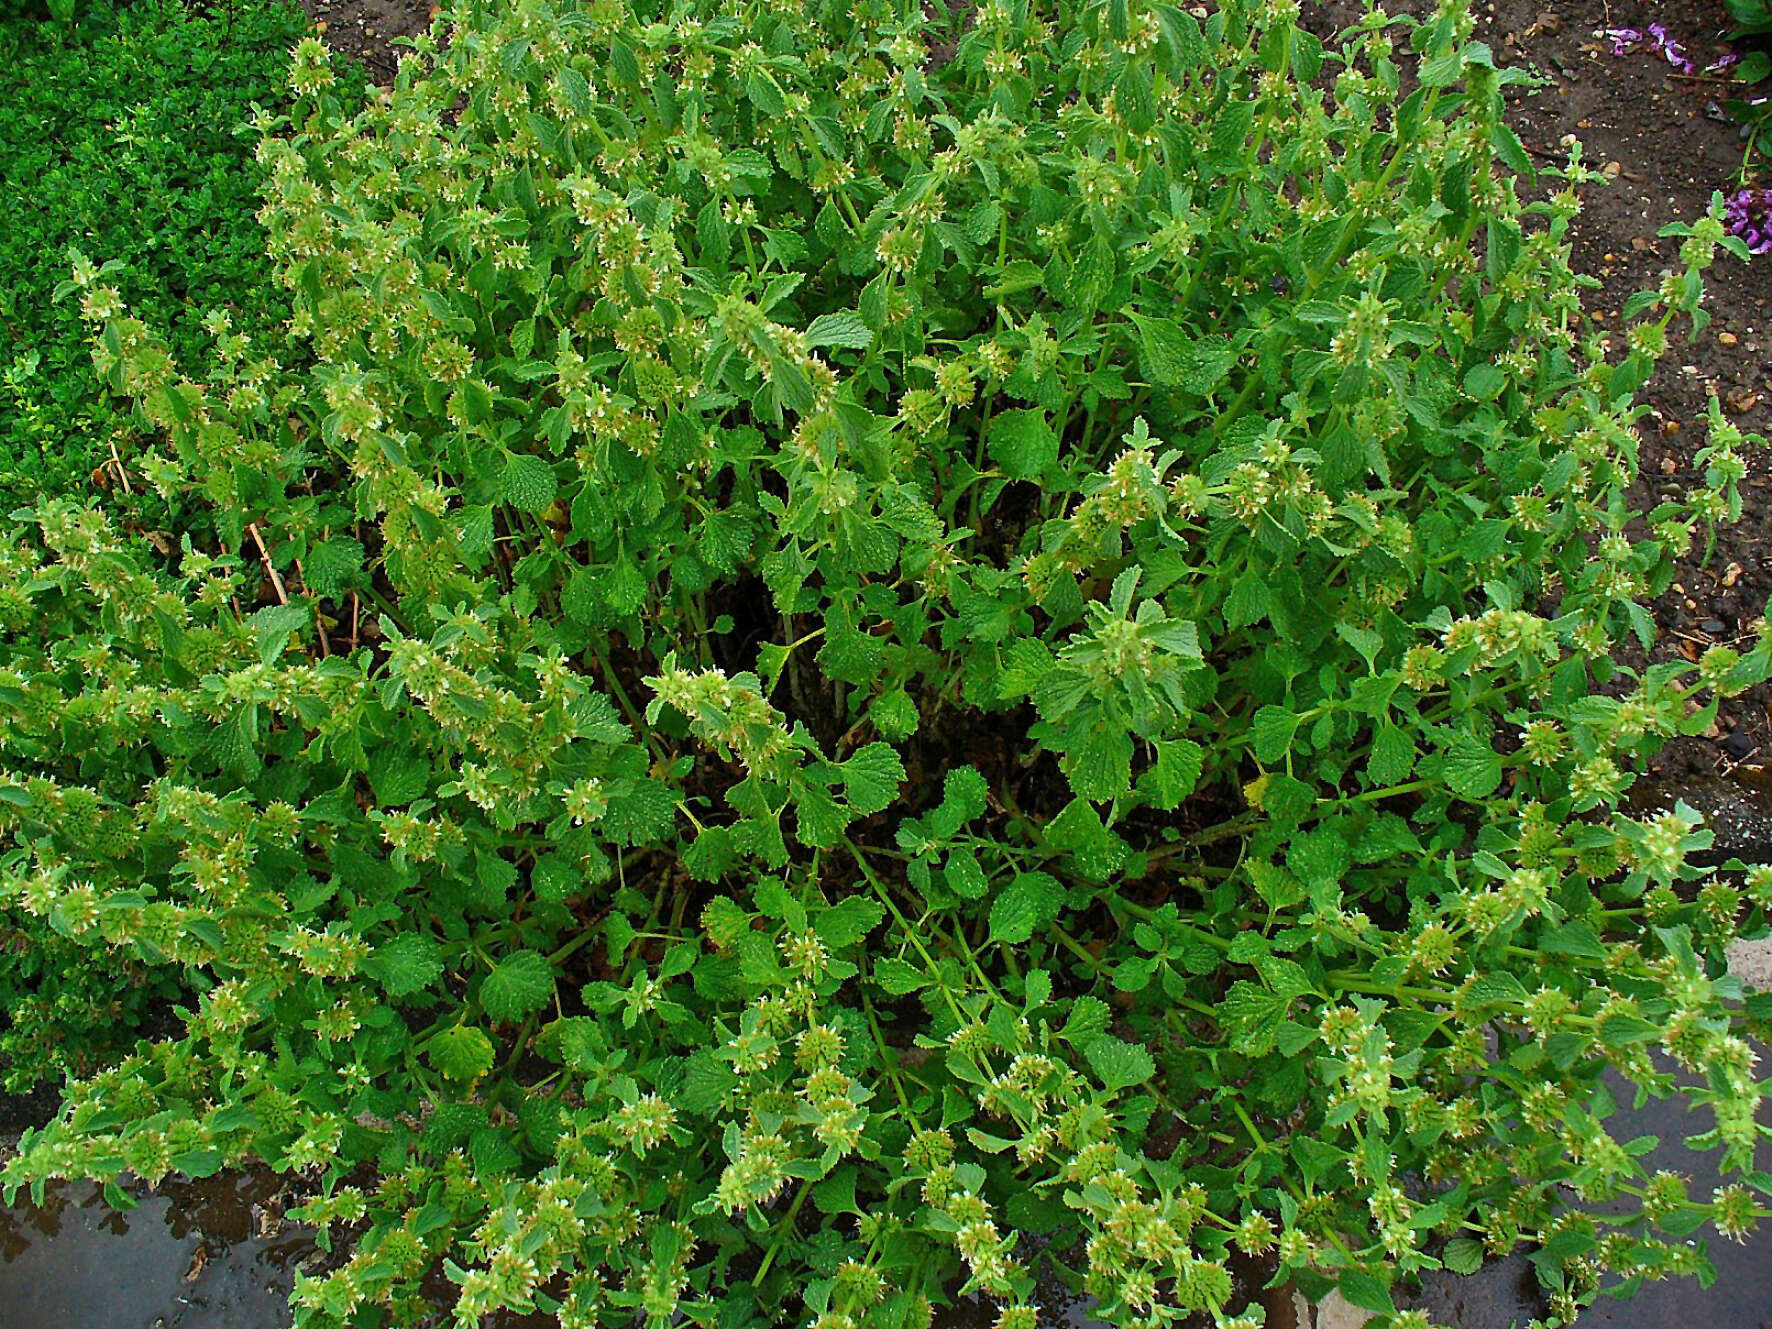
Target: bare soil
[367,29]
[1664,140]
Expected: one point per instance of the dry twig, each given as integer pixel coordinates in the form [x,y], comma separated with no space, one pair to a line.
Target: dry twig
[122,471]
[319,618]
[265,558]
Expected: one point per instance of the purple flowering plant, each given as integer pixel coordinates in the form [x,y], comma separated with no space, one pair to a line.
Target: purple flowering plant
[1626,40]
[1746,210]
[1749,218]
[1674,51]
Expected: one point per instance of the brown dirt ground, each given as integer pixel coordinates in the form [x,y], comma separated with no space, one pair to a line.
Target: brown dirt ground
[367,29]
[1668,145]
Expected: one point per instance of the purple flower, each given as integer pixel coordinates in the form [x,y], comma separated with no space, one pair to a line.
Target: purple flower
[1623,39]
[1723,63]
[1673,50]
[1748,214]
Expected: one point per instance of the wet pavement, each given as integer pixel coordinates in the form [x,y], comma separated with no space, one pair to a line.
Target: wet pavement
[206,1254]
[1737,810]
[1504,1293]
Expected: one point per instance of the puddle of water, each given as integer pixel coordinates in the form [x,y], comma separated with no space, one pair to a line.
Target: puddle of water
[1737,809]
[1505,1293]
[192,1255]
[210,1254]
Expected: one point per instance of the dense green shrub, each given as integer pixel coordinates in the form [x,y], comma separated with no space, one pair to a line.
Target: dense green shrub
[65,1010]
[126,142]
[874,655]
[16,16]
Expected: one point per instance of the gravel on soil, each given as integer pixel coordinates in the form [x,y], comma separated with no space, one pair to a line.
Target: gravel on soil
[368,29]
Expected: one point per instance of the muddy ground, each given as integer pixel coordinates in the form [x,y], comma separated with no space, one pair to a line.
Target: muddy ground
[368,30]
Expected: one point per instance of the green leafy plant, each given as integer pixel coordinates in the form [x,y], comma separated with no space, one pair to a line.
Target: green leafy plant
[65,1011]
[126,142]
[879,653]
[1753,20]
[17,14]
[125,139]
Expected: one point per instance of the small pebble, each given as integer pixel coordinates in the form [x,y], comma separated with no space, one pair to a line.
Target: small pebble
[1727,338]
[1715,626]
[1738,745]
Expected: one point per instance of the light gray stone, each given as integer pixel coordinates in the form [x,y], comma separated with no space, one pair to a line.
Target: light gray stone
[1751,962]
[1335,1312]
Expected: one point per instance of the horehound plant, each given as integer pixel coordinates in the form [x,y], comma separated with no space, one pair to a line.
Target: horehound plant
[886,651]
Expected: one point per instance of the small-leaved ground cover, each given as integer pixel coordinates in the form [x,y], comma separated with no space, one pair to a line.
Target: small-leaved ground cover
[121,135]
